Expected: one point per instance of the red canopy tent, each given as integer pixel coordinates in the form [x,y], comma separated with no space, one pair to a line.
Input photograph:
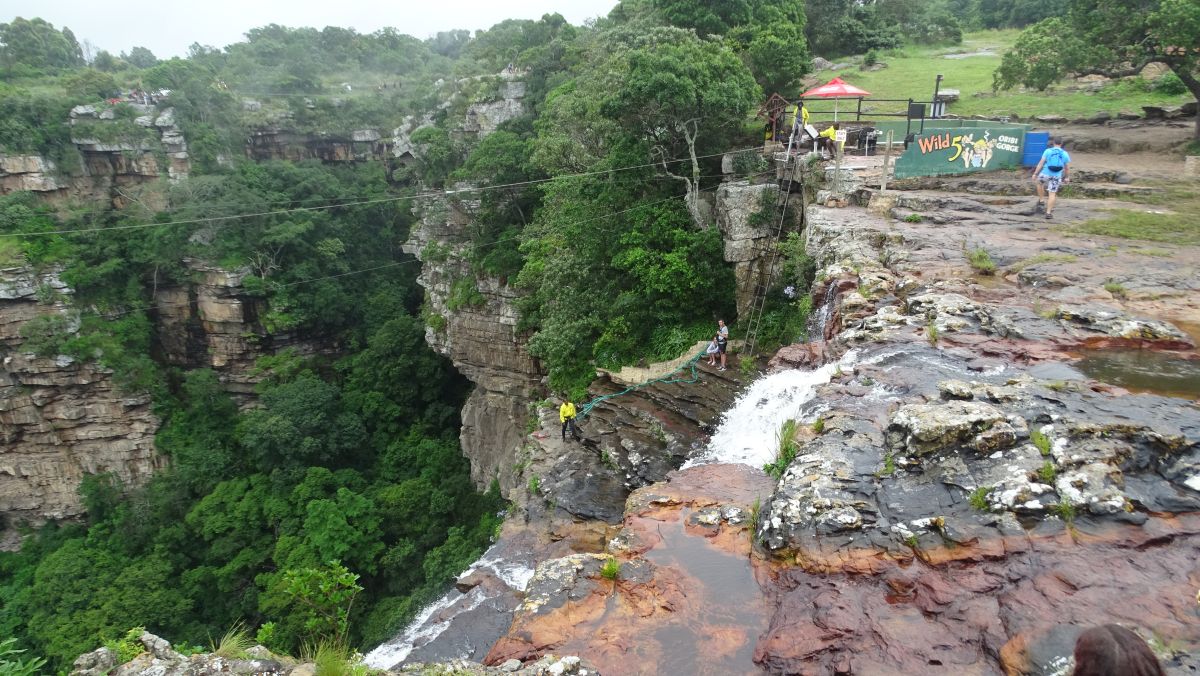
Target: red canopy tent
[835,89]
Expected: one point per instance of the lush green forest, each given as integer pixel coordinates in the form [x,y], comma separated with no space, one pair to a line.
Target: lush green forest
[345,469]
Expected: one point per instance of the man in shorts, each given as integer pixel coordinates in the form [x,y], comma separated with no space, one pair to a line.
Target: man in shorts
[1050,173]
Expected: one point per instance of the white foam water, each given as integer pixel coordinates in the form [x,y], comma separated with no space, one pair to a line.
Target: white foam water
[748,432]
[422,629]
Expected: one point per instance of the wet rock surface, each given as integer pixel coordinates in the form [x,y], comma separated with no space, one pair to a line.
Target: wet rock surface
[970,500]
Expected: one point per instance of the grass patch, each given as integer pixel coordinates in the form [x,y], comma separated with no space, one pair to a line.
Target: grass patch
[818,426]
[331,659]
[1176,227]
[234,643]
[889,466]
[611,569]
[535,484]
[1117,289]
[981,261]
[1041,441]
[1156,253]
[1064,510]
[978,499]
[913,69]
[913,218]
[787,449]
[931,333]
[755,511]
[1047,473]
[1042,258]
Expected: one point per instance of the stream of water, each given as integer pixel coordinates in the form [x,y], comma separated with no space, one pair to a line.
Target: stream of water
[510,572]
[748,432]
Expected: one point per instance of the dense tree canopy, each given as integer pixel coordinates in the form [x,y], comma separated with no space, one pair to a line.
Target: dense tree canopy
[36,45]
[1108,37]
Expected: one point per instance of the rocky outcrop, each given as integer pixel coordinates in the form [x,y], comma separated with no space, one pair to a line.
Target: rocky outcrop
[484,117]
[748,216]
[159,658]
[117,158]
[283,143]
[60,419]
[477,329]
[214,322]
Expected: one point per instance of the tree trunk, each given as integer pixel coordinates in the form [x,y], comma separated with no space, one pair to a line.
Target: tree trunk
[1193,84]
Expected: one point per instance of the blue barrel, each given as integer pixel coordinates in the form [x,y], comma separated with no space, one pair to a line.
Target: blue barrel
[1035,145]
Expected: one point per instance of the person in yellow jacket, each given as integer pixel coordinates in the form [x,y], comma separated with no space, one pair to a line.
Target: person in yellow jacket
[826,139]
[566,416]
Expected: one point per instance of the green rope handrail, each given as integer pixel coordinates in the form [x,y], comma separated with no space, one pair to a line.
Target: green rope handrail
[666,380]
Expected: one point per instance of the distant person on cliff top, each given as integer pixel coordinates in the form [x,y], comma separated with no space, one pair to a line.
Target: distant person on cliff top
[722,341]
[1051,172]
[1113,650]
[566,416]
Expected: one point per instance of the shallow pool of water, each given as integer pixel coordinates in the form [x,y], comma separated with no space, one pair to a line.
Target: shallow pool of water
[1170,374]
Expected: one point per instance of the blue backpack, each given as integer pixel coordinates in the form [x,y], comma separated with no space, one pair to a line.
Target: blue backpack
[1056,161]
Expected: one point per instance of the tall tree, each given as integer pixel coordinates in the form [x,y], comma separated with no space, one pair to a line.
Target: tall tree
[1114,38]
[35,43]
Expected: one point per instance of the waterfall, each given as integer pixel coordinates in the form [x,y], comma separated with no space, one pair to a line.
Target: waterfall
[747,433]
[435,618]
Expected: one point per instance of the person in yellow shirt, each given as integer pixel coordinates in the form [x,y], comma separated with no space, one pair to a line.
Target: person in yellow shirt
[825,140]
[566,416]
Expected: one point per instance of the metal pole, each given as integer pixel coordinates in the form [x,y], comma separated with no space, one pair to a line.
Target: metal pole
[937,87]
[858,114]
[887,162]
[837,170]
[908,115]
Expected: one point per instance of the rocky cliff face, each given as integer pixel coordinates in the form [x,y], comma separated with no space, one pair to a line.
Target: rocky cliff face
[214,323]
[60,419]
[118,160]
[481,338]
[748,215]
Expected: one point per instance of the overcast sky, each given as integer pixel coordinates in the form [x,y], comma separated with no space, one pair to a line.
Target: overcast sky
[167,27]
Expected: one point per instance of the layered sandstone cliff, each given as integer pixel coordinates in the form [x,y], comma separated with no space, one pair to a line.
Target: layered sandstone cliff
[60,419]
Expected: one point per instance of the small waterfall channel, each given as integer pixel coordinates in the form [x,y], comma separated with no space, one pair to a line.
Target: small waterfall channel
[507,573]
[748,433]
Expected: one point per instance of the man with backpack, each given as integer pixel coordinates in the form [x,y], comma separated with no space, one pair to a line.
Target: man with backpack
[1050,173]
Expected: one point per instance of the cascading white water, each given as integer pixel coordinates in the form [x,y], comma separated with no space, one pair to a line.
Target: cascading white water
[435,618]
[748,431]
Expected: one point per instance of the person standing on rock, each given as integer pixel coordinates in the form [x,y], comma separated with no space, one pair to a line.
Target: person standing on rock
[722,341]
[1051,172]
[566,416]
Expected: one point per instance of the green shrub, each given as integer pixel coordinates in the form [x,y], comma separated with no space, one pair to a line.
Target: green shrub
[981,261]
[1169,85]
[818,426]
[535,484]
[979,498]
[871,58]
[464,293]
[786,451]
[128,646]
[1041,441]
[1116,289]
[12,665]
[913,218]
[889,466]
[611,569]
[1047,473]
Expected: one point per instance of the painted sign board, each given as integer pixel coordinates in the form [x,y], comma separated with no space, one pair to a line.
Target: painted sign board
[940,152]
[840,135]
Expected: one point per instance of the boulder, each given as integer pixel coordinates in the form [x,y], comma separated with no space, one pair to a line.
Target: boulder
[821,64]
[926,428]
